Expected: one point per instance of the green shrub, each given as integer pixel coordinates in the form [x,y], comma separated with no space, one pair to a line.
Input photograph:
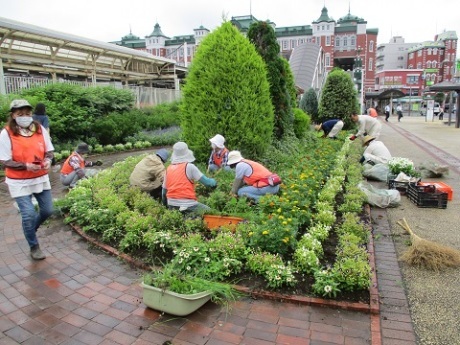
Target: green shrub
[301,123]
[227,92]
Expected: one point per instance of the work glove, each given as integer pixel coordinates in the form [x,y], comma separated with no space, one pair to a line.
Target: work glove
[212,183]
[353,137]
[98,163]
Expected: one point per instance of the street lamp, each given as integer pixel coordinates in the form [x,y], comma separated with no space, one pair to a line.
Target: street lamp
[358,75]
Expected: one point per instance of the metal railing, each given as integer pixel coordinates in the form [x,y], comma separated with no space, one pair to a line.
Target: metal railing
[144,96]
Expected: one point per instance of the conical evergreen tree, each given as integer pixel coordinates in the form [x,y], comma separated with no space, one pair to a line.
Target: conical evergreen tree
[338,99]
[262,35]
[309,103]
[227,92]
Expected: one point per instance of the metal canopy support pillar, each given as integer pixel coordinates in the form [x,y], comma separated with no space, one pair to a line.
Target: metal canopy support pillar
[2,79]
[457,115]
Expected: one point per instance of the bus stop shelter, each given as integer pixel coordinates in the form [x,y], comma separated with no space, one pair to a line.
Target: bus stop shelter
[448,86]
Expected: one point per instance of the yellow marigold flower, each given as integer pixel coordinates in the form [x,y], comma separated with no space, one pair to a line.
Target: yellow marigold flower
[286,239]
[272,204]
[265,232]
[285,223]
[280,217]
[280,210]
[251,233]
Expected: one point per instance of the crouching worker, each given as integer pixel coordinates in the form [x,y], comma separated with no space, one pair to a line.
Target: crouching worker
[219,154]
[149,173]
[74,168]
[375,152]
[252,179]
[179,181]
[330,128]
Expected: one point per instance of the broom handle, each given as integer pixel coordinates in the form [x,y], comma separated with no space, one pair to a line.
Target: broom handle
[405,226]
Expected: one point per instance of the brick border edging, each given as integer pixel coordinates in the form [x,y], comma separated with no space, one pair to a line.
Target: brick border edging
[373,308]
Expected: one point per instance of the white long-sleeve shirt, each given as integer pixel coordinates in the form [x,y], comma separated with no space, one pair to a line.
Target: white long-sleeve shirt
[368,124]
[377,152]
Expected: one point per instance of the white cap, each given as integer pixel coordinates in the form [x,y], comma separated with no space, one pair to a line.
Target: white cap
[218,140]
[181,153]
[20,103]
[234,157]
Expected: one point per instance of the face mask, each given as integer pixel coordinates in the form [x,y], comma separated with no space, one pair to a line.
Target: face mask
[24,121]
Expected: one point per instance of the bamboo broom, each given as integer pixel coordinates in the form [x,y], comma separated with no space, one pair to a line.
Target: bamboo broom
[428,254]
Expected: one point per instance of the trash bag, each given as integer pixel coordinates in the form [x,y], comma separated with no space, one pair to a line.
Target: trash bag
[382,198]
[433,170]
[377,172]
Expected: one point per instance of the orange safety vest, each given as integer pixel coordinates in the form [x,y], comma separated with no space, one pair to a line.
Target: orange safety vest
[67,168]
[178,185]
[259,175]
[27,150]
[218,157]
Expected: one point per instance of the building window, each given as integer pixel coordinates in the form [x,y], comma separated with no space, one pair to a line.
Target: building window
[419,53]
[337,41]
[292,44]
[434,64]
[419,65]
[328,27]
[429,51]
[345,41]
[411,55]
[328,40]
[370,65]
[328,60]
[435,51]
[285,45]
[371,46]
[428,64]
[353,41]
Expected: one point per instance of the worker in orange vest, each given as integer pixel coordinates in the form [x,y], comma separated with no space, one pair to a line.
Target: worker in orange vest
[219,154]
[252,179]
[179,181]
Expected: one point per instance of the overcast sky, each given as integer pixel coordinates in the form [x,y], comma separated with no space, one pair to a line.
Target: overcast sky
[106,20]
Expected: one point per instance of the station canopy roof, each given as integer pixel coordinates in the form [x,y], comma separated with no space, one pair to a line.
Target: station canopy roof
[28,47]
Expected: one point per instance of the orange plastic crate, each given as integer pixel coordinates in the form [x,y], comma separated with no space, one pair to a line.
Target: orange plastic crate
[440,187]
[215,221]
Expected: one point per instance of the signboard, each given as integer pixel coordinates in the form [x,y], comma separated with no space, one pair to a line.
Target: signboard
[429,110]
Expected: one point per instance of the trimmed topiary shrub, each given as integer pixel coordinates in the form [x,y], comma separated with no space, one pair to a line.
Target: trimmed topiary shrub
[338,99]
[227,92]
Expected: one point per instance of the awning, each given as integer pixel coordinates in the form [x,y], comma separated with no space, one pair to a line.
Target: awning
[385,94]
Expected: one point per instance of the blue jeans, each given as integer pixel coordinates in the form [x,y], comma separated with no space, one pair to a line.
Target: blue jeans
[32,219]
[255,193]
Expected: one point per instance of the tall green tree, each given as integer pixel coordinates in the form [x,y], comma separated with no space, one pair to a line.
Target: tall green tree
[338,99]
[262,35]
[227,92]
[309,104]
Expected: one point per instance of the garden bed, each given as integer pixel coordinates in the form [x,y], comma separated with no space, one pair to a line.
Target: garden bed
[306,241]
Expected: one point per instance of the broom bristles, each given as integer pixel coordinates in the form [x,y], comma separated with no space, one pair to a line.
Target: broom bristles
[428,254]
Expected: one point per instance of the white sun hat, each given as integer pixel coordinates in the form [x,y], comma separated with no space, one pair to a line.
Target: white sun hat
[218,140]
[234,157]
[181,153]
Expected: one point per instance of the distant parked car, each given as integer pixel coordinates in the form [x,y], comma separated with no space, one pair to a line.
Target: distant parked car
[436,110]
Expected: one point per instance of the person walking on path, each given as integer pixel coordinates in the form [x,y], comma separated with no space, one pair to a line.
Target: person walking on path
[373,112]
[252,179]
[26,153]
[179,181]
[219,154]
[73,168]
[375,152]
[387,112]
[399,112]
[41,117]
[366,126]
[330,128]
[149,173]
